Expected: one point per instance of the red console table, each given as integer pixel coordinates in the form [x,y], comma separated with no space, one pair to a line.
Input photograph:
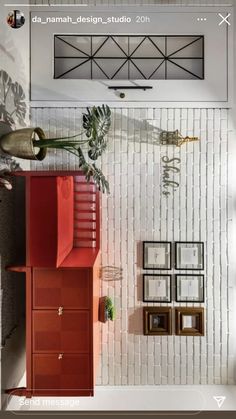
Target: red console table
[62,284]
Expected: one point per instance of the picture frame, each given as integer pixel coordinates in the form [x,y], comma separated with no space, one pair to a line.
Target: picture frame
[156,288]
[157,321]
[157,255]
[189,321]
[189,256]
[189,288]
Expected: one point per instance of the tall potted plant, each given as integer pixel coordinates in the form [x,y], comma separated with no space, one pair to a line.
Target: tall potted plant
[31,143]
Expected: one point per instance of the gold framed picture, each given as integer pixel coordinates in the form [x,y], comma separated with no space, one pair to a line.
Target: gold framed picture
[157,320]
[189,321]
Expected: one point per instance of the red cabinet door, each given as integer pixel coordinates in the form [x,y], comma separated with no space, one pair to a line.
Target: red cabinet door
[60,373]
[68,332]
[57,287]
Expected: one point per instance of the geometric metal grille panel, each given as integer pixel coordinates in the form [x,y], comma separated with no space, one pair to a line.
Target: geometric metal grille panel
[129,57]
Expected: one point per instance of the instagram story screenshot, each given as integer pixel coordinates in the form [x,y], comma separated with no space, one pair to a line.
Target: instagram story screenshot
[118,207]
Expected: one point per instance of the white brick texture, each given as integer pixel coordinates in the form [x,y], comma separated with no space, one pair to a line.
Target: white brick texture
[135,211]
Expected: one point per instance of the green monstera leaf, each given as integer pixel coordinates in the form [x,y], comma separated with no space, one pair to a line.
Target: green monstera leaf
[97,148]
[97,121]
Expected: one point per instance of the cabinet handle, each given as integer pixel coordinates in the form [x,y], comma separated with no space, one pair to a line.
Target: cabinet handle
[60,356]
[60,311]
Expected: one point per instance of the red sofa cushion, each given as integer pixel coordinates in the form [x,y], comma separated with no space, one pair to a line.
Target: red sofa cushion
[51,220]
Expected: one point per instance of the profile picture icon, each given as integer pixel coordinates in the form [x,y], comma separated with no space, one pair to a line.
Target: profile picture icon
[15,19]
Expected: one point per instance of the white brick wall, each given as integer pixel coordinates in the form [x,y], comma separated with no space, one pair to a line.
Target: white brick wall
[135,210]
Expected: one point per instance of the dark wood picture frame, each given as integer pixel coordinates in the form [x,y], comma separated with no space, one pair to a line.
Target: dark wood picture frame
[157,300]
[178,267]
[152,266]
[182,300]
[157,321]
[197,326]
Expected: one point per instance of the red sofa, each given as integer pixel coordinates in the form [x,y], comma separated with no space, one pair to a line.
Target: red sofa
[63,214]
[51,220]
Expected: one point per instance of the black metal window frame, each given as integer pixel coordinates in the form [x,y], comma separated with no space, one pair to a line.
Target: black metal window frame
[129,57]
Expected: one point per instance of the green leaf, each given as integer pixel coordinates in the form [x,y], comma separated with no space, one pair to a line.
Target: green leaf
[97,121]
[91,171]
[109,306]
[97,148]
[108,303]
[111,313]
[100,180]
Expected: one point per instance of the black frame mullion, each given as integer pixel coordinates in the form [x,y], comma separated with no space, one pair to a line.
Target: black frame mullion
[91,52]
[165,57]
[128,59]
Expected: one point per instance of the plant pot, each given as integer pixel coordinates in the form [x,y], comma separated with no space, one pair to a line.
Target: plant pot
[103,313]
[19,143]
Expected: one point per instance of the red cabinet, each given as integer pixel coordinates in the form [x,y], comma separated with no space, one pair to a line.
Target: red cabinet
[61,331]
[64,329]
[54,288]
[68,374]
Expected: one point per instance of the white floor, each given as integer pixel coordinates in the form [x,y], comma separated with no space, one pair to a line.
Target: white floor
[119,398]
